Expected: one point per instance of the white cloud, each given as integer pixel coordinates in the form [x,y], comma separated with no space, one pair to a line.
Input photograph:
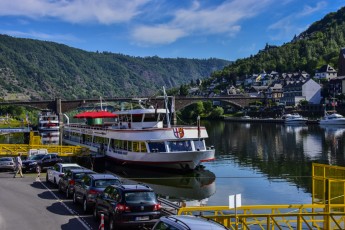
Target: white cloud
[75,11]
[288,26]
[145,35]
[309,9]
[220,19]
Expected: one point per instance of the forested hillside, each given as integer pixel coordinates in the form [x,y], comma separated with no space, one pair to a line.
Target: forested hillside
[43,70]
[320,44]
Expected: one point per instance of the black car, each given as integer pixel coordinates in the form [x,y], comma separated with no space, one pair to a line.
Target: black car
[70,178]
[90,185]
[43,161]
[128,206]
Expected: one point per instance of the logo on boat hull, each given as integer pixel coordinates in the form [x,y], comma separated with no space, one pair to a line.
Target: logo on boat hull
[178,132]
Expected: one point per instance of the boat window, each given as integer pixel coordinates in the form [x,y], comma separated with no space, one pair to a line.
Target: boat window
[177,146]
[129,146]
[118,144]
[199,144]
[143,147]
[136,146]
[157,147]
[137,117]
[151,117]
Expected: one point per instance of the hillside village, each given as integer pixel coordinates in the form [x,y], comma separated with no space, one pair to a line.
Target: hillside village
[288,89]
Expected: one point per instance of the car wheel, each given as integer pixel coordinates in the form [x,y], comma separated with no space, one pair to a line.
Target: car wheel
[59,188]
[111,223]
[55,181]
[67,193]
[94,214]
[74,198]
[85,207]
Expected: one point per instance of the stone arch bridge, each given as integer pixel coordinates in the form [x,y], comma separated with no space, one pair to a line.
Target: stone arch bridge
[62,106]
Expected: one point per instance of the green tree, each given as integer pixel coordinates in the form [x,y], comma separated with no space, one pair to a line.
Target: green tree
[217,112]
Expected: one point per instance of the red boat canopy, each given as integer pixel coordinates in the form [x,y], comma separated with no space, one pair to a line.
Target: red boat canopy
[95,114]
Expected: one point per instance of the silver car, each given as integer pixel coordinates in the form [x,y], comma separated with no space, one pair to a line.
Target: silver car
[186,222]
[7,163]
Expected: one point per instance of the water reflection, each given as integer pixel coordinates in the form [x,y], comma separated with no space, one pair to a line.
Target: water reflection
[277,150]
[193,188]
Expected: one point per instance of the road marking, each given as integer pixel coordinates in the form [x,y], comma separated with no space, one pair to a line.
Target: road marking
[75,214]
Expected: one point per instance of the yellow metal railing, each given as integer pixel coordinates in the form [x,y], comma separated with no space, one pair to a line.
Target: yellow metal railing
[298,216]
[14,149]
[35,143]
[326,212]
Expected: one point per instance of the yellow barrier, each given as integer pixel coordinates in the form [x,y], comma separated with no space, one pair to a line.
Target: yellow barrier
[326,212]
[297,216]
[65,151]
[35,143]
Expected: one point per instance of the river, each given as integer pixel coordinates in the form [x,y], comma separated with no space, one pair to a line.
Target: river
[265,163]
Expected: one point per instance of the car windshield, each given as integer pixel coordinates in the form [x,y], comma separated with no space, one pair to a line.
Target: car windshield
[102,183]
[64,169]
[36,157]
[140,197]
[80,175]
[6,159]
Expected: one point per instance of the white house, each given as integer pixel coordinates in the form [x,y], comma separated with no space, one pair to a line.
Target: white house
[326,72]
[308,90]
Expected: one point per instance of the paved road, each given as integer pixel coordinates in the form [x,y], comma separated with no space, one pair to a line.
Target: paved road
[31,205]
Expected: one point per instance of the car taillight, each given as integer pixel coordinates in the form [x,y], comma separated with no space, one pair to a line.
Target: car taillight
[157,207]
[122,208]
[71,182]
[92,192]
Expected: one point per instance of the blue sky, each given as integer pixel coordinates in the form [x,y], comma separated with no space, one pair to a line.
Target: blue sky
[226,29]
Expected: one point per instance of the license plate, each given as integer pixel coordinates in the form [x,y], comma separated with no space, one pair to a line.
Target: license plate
[142,218]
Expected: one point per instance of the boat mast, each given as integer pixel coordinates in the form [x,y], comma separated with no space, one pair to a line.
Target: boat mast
[166,107]
[100,98]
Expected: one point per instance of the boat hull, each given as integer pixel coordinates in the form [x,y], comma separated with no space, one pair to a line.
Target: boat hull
[177,160]
[332,122]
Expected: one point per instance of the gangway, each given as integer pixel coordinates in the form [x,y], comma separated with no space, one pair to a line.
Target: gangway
[35,143]
[326,212]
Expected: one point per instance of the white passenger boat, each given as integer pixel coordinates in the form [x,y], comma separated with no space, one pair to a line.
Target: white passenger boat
[294,119]
[48,121]
[50,138]
[332,119]
[139,137]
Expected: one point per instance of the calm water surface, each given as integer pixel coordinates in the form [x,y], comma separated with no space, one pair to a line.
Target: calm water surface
[266,163]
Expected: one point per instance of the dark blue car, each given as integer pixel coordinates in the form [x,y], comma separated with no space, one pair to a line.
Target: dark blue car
[70,178]
[86,191]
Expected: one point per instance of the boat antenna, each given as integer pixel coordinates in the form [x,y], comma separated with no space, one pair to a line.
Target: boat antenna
[166,107]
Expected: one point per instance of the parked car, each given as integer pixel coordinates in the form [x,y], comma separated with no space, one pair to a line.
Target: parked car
[7,163]
[55,173]
[86,191]
[128,206]
[43,161]
[187,222]
[71,177]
